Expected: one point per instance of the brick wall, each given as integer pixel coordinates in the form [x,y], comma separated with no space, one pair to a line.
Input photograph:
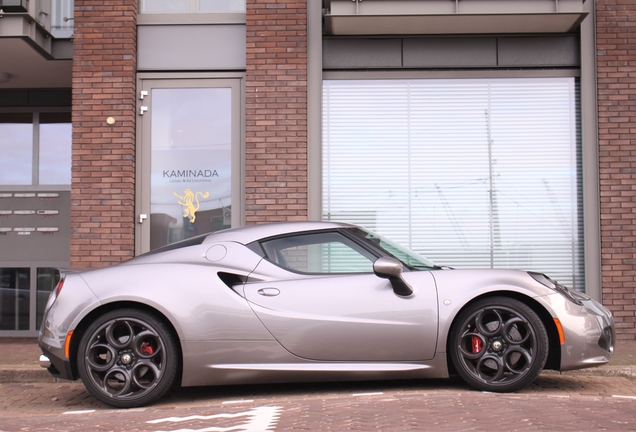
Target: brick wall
[616,60]
[276,111]
[103,184]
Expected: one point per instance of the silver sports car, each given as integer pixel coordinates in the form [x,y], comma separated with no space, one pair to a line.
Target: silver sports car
[310,301]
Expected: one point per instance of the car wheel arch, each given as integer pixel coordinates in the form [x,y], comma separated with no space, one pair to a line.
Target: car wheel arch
[83,325]
[554,349]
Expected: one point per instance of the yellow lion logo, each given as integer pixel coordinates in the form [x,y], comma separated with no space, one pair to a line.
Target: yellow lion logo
[187,201]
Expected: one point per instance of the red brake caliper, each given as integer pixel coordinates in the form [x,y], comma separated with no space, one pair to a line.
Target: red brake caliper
[146,348]
[477,344]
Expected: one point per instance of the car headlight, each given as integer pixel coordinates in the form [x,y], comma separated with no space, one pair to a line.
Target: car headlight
[574,296]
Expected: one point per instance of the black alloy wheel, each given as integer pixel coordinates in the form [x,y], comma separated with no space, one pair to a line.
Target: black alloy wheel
[498,344]
[128,358]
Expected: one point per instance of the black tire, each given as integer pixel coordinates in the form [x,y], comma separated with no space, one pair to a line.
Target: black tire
[128,358]
[498,344]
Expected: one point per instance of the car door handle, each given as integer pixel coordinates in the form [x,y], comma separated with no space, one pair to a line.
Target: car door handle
[269,292]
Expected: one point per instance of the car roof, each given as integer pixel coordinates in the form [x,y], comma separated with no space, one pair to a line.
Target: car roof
[248,234]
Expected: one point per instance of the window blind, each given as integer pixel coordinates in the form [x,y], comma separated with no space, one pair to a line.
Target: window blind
[471,173]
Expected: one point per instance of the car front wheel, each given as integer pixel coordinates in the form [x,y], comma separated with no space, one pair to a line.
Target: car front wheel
[128,358]
[498,344]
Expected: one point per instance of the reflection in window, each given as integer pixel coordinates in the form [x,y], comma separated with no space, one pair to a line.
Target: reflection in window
[471,172]
[191,6]
[47,279]
[14,298]
[16,147]
[17,144]
[319,253]
[55,148]
[191,163]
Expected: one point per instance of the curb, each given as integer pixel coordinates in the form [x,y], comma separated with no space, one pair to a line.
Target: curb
[26,374]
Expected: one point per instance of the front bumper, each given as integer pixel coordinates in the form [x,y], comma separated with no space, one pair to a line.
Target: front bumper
[589,334]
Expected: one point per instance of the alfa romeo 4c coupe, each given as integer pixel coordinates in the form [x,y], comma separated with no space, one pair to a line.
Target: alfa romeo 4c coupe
[309,301]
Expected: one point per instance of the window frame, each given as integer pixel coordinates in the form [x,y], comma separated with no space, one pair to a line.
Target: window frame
[182,80]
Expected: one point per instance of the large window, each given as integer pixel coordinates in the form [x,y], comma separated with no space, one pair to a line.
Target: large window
[469,172]
[36,149]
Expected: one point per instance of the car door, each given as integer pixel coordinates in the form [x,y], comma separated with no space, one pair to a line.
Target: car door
[332,307]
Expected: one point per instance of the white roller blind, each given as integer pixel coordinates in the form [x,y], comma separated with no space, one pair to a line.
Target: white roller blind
[474,173]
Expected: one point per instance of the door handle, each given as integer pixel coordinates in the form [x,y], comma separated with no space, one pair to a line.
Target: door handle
[269,292]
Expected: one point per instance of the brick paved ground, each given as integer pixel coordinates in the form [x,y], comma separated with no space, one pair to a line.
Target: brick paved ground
[601,399]
[554,402]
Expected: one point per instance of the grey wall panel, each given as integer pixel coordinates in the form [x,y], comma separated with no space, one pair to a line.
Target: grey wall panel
[62,49]
[367,53]
[539,51]
[191,47]
[35,226]
[450,52]
[53,97]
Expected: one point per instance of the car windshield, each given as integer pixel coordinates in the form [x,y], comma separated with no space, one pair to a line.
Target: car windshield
[411,259]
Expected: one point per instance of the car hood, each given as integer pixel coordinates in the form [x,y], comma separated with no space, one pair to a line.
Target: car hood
[477,281]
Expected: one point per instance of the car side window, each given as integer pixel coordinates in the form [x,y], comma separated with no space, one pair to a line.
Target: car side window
[323,253]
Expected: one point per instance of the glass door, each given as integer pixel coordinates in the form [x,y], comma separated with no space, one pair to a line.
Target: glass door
[190,149]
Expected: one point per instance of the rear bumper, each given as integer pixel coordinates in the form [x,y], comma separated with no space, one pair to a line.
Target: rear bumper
[59,367]
[60,318]
[45,362]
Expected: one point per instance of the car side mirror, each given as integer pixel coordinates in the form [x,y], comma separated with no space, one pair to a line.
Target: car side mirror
[391,269]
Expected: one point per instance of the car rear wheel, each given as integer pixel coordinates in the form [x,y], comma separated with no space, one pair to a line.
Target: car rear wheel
[498,344]
[128,358]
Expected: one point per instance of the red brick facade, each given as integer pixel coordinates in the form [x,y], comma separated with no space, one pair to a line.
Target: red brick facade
[103,183]
[616,59]
[276,111]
